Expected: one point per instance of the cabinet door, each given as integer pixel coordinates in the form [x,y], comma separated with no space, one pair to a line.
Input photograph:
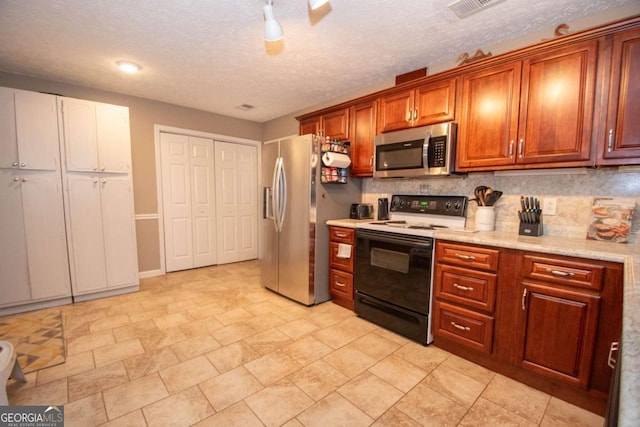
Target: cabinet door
[8,142]
[557,101]
[80,139]
[395,111]
[363,131]
[114,141]
[310,126]
[623,127]
[45,235]
[558,332]
[119,231]
[86,243]
[435,103]
[489,118]
[37,130]
[336,125]
[14,276]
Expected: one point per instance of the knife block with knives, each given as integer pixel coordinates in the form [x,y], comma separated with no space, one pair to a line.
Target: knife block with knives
[530,216]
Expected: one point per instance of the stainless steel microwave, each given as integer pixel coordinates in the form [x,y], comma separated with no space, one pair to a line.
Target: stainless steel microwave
[420,151]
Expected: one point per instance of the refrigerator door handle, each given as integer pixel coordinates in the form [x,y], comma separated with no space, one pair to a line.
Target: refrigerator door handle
[275,194]
[284,190]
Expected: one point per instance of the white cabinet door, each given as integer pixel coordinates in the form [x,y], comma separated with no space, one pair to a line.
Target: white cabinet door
[236,198]
[114,140]
[119,230]
[80,139]
[14,276]
[45,235]
[28,130]
[86,243]
[8,141]
[203,201]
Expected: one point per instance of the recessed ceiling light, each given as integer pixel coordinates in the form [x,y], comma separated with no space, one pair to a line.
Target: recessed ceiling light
[128,67]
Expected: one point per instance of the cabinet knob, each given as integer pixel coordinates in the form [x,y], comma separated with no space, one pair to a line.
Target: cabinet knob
[462,328]
[23,164]
[521,147]
[104,181]
[103,169]
[95,181]
[610,141]
[16,179]
[23,179]
[14,164]
[95,167]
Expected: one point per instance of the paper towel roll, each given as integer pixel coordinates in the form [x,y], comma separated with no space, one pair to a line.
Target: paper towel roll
[336,160]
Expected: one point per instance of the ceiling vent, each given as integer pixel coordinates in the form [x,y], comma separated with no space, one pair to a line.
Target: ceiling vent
[245,107]
[464,8]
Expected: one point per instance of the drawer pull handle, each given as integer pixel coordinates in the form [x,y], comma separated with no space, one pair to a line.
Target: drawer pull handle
[462,328]
[610,360]
[560,273]
[462,288]
[339,234]
[342,285]
[466,257]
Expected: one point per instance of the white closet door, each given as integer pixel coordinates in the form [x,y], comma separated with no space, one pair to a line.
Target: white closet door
[80,140]
[247,201]
[176,194]
[45,234]
[203,201]
[114,140]
[37,143]
[236,191]
[14,276]
[8,142]
[119,230]
[86,239]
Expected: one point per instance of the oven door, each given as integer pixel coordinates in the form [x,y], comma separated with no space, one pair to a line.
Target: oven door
[394,268]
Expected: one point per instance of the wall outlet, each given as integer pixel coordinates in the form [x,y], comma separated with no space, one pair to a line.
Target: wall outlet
[549,205]
[424,189]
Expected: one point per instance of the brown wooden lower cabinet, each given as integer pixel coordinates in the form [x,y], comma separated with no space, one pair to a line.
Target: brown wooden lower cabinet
[340,267]
[552,325]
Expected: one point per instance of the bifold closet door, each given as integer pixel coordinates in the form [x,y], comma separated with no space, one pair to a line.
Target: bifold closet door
[188,201]
[237,201]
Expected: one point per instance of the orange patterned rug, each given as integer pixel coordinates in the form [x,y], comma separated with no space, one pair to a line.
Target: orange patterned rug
[37,338]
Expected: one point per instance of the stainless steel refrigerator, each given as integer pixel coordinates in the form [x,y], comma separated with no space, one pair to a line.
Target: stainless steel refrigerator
[296,206]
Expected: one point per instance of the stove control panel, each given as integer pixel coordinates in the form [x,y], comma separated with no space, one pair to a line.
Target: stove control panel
[434,205]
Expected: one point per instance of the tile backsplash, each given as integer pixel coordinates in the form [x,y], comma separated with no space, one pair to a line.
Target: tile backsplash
[574,191]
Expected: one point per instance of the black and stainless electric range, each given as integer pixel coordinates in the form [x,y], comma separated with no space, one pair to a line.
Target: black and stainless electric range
[394,262]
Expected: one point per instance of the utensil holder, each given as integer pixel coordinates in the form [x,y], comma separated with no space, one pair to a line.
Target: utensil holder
[485,218]
[528,229]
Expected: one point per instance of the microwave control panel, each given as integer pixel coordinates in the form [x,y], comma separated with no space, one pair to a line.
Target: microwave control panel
[437,152]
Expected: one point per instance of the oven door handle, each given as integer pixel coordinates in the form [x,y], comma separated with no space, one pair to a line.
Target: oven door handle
[396,238]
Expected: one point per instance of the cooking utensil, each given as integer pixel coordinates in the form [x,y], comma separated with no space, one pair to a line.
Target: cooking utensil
[479,193]
[491,198]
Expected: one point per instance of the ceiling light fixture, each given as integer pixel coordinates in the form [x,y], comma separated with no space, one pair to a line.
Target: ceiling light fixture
[128,67]
[272,29]
[315,4]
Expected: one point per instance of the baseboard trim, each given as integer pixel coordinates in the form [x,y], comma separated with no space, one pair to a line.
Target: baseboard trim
[150,273]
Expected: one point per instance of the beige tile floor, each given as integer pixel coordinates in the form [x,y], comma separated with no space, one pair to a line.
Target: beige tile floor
[211,347]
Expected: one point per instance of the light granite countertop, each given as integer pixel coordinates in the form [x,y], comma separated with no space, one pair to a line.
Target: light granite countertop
[628,255]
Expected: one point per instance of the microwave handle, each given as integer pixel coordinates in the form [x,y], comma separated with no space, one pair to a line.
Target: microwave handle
[425,151]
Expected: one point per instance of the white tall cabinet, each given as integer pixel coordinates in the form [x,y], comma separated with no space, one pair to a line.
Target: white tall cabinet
[33,250]
[98,198]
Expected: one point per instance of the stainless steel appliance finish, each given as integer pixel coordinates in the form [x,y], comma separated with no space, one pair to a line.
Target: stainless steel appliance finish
[361,211]
[394,261]
[421,151]
[296,206]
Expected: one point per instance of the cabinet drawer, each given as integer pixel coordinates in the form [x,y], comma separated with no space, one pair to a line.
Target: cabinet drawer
[345,264]
[474,330]
[473,288]
[341,283]
[570,273]
[342,235]
[468,256]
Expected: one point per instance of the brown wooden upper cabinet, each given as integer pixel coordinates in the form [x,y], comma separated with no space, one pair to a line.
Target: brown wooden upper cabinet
[335,125]
[425,105]
[363,130]
[533,113]
[621,144]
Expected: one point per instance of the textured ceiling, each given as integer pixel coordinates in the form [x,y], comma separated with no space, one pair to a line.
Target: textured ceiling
[210,54]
